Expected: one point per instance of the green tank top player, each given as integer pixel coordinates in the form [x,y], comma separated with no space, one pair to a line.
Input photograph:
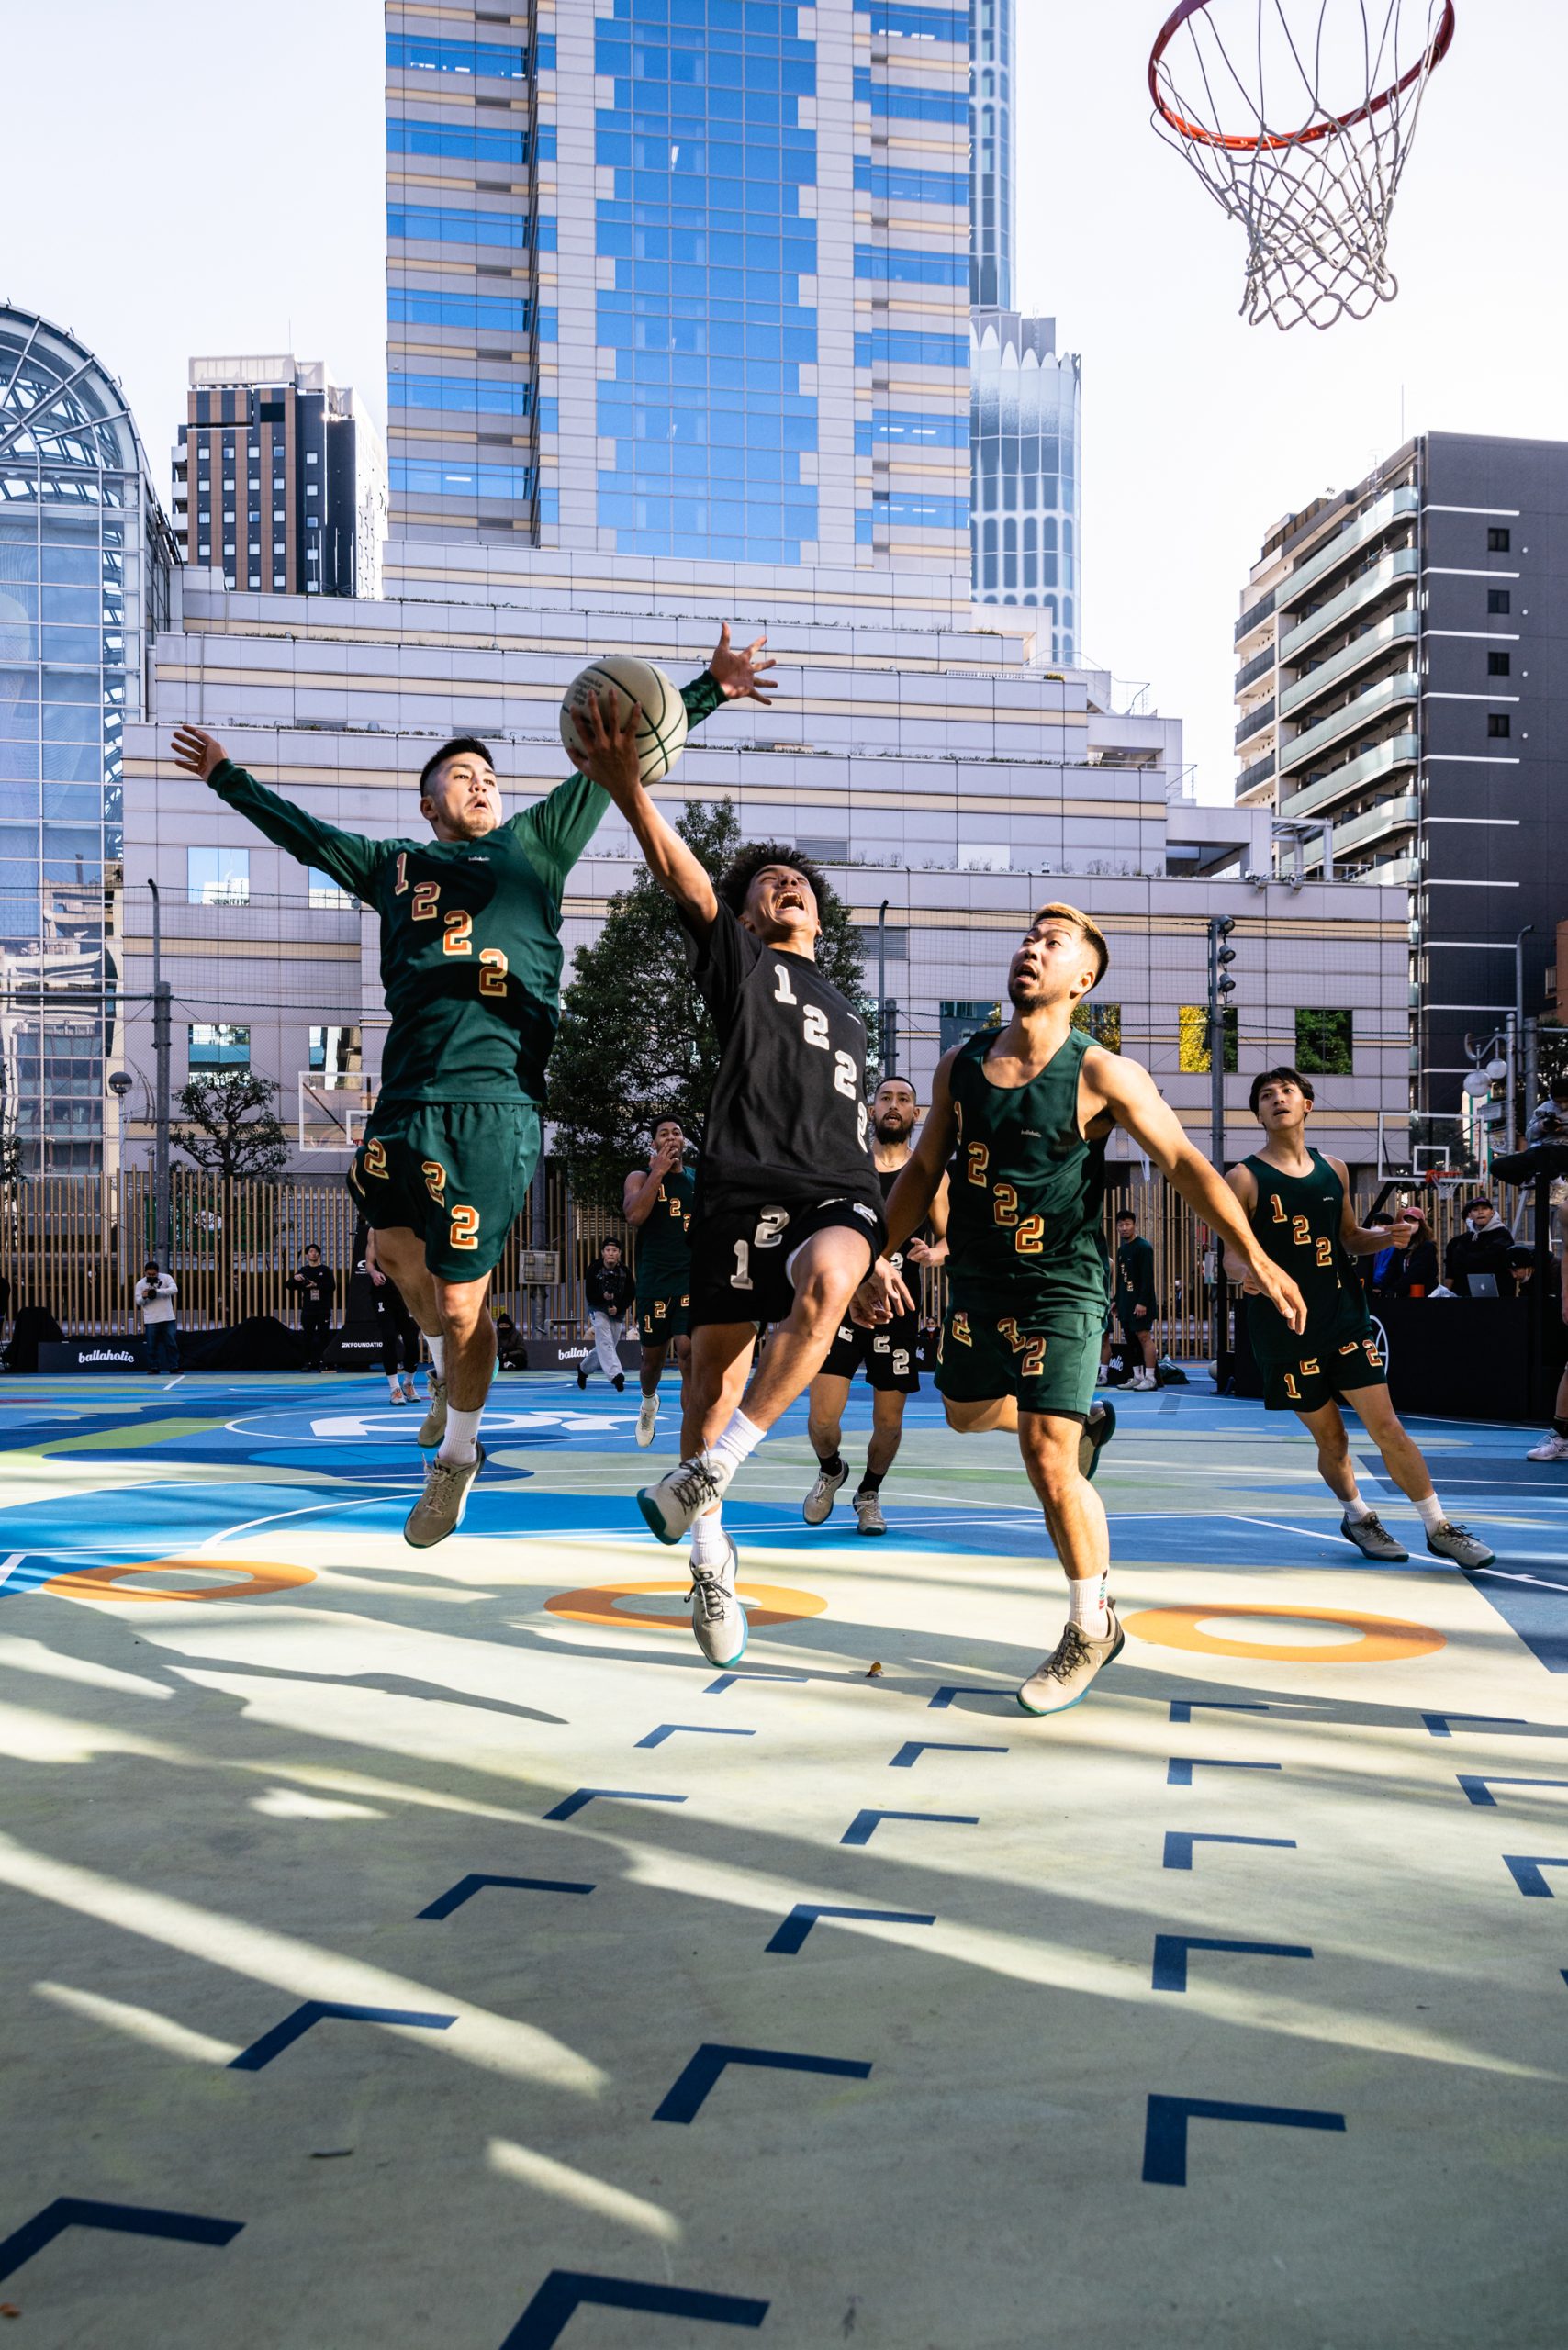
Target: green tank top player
[1026,1188]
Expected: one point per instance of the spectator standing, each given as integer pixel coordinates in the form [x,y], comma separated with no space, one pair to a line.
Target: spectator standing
[154,1298]
[1137,1307]
[609,1292]
[318,1287]
[1484,1247]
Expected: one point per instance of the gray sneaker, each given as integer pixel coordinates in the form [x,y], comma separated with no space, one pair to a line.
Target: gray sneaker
[439,1510]
[817,1507]
[1459,1545]
[869,1514]
[718,1620]
[1076,1660]
[673,1507]
[432,1427]
[1373,1541]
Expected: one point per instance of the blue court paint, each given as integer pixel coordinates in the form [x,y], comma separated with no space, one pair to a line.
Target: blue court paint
[567,2291]
[945,1696]
[119,2218]
[728,1680]
[1179,1843]
[1183,1708]
[582,1796]
[910,1753]
[865,1824]
[1441,1725]
[1527,1869]
[1536,1612]
[684,2100]
[467,1887]
[313,2011]
[788,1937]
[692,1730]
[1478,1789]
[1171,1955]
[1179,1768]
[1165,2130]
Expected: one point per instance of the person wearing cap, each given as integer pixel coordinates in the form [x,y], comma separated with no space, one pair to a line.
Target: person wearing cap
[154,1298]
[1484,1247]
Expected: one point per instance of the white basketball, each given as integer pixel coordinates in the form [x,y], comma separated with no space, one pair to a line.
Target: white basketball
[661,737]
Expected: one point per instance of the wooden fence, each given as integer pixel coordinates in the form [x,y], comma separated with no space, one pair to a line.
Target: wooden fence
[77,1245]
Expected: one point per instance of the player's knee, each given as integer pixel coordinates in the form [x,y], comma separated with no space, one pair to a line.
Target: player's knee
[823,1436]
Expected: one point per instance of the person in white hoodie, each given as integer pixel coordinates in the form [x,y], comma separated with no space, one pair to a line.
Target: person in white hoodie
[154,1298]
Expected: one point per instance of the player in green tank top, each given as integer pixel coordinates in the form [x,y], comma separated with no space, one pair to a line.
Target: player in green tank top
[1019,1121]
[658,1202]
[1298,1207]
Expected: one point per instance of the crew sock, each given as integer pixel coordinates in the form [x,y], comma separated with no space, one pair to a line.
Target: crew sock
[709,1544]
[833,1466]
[1356,1508]
[872,1483]
[1087,1606]
[457,1446]
[1560,1427]
[1432,1513]
[738,1442]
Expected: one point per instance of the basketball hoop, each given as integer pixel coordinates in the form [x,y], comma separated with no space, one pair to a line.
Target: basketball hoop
[1328,110]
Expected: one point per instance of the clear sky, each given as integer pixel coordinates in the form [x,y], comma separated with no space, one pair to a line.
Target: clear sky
[208,178]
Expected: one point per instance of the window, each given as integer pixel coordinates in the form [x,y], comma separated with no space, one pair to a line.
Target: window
[959,1018]
[1499,599]
[310,457]
[216,1044]
[984,856]
[1498,724]
[823,850]
[217,877]
[1101,1021]
[1498,541]
[1324,1044]
[325,891]
[335,1051]
[1193,1040]
[1498,664]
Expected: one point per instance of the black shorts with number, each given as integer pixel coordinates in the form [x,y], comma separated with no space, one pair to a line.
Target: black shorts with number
[886,1356]
[1351,1357]
[740,1257]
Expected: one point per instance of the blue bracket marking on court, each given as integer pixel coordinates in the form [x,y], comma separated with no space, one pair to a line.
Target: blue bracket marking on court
[567,2291]
[865,1824]
[120,2219]
[582,1796]
[728,1680]
[467,1887]
[1526,1869]
[1183,1708]
[1179,1770]
[789,1936]
[294,2027]
[910,1753]
[1165,2133]
[693,1730]
[1439,1724]
[1179,1843]
[945,1696]
[1171,1955]
[1478,1788]
[685,2100]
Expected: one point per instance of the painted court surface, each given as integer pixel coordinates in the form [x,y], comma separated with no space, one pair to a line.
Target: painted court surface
[429,1949]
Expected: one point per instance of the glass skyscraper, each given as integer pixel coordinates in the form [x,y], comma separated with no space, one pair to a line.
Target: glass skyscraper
[85,559]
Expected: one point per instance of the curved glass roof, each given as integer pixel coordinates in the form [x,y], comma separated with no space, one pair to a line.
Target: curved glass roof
[63,421]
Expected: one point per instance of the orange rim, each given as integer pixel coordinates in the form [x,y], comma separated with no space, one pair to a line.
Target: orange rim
[1245,142]
[1384,1640]
[766,1603]
[108,1583]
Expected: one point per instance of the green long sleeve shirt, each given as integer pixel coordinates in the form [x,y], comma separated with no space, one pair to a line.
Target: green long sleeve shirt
[470,930]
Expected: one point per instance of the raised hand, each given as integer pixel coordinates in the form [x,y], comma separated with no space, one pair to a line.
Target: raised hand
[197,751]
[608,752]
[741,676]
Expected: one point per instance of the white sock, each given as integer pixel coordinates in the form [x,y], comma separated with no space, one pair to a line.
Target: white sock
[457,1446]
[438,1355]
[1086,1605]
[396,1389]
[1356,1508]
[737,1441]
[710,1545]
[1432,1513]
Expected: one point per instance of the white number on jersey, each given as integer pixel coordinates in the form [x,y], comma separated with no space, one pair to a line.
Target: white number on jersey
[784,992]
[741,1277]
[846,1076]
[770,1227]
[816,1026]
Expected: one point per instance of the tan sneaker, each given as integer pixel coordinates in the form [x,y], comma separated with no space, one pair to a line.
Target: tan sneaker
[439,1510]
[432,1427]
[1076,1660]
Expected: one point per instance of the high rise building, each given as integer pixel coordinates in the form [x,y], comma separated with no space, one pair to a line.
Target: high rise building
[85,564]
[1401,652]
[683,281]
[280,478]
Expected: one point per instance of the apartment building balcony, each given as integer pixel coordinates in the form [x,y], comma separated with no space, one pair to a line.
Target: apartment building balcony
[1390,817]
[1386,758]
[1379,701]
[1255,722]
[1345,664]
[1375,582]
[1396,505]
[1260,771]
[1258,666]
[1253,619]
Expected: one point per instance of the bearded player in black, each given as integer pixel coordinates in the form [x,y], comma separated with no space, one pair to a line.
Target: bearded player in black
[788,1212]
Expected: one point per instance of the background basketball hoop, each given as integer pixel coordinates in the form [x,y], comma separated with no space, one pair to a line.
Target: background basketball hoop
[1297,116]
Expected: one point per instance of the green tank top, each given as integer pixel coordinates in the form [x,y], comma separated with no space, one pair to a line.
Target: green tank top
[1296,1222]
[1026,1191]
[664,1252]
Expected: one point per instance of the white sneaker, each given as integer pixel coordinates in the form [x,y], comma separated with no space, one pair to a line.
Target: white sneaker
[817,1507]
[868,1512]
[646,1418]
[673,1507]
[718,1620]
[1551,1447]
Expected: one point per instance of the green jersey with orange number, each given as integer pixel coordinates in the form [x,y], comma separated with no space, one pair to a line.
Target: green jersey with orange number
[1026,1190]
[1297,1223]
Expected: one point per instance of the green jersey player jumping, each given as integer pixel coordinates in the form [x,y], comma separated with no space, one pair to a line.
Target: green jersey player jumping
[471,965]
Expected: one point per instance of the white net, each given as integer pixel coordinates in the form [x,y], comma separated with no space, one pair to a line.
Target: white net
[1297,116]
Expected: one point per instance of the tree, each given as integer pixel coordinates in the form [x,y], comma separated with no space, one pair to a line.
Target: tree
[233,1128]
[637,1042]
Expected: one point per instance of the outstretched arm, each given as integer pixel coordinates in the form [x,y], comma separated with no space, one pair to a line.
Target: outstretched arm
[609,760]
[1128,1091]
[350,858]
[912,1201]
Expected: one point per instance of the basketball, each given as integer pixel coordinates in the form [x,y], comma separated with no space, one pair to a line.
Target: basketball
[661,737]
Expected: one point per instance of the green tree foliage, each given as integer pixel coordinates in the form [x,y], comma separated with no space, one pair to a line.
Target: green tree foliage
[637,1042]
[232,1126]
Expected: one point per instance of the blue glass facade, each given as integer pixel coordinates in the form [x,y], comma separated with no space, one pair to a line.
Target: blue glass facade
[1023,442]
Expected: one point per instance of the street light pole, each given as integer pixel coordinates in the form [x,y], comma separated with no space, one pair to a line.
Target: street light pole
[1222,987]
[882,988]
[161,1043]
[1516,1045]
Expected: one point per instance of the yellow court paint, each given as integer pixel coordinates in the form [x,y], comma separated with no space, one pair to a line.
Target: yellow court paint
[1384,1640]
[766,1603]
[110,1583]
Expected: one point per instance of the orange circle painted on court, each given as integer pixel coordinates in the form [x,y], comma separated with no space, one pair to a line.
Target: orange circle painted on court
[766,1603]
[260,1576]
[1384,1640]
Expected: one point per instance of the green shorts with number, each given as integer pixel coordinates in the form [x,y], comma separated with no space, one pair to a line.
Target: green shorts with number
[1047,1357]
[664,1314]
[1350,1358]
[455,1172]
